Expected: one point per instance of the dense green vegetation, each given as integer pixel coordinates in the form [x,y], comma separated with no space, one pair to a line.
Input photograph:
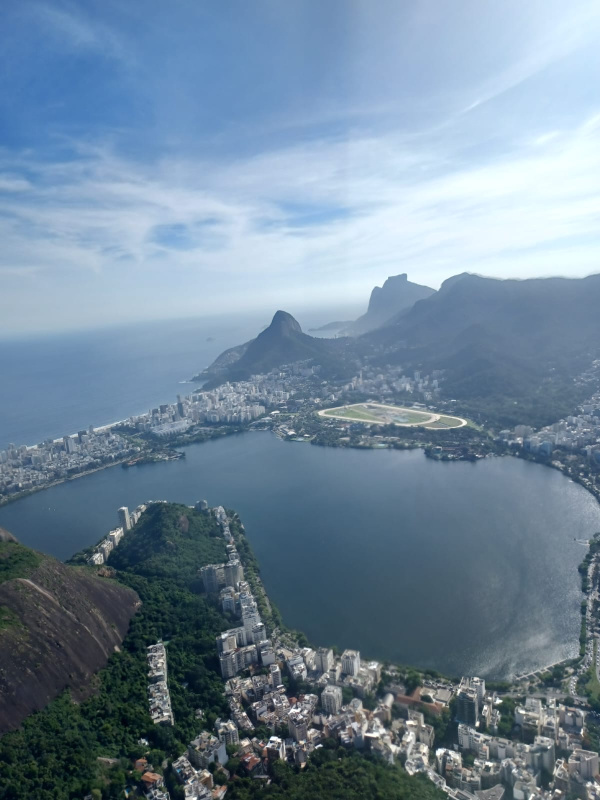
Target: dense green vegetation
[170,541]
[334,773]
[591,739]
[507,711]
[506,393]
[589,683]
[17,561]
[57,753]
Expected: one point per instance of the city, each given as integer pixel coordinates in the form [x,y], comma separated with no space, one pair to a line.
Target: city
[195,417]
[287,700]
[334,268]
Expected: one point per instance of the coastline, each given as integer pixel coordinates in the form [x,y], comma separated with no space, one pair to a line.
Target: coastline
[196,438]
[229,432]
[22,495]
[276,623]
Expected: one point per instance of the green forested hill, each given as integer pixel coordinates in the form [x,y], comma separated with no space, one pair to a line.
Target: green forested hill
[170,541]
[55,756]
[337,774]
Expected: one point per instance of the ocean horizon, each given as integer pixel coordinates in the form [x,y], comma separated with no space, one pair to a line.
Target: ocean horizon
[55,385]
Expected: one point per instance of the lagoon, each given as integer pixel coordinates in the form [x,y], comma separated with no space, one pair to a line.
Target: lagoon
[468,568]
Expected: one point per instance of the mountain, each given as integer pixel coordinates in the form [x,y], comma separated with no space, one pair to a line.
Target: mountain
[513,347]
[283,342]
[396,295]
[170,541]
[58,626]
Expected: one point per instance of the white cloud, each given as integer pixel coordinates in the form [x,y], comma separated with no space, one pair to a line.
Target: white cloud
[576,26]
[327,216]
[10,183]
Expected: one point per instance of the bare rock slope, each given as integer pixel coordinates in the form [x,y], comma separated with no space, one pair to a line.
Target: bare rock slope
[58,626]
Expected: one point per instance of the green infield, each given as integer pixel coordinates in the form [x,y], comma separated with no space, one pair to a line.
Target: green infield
[379,414]
[351,412]
[444,422]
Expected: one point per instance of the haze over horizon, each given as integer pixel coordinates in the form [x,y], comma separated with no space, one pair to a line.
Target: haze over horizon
[161,161]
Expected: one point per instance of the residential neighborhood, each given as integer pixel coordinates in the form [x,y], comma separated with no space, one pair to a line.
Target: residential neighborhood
[287,701]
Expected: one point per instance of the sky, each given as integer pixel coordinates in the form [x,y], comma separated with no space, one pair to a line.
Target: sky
[197,157]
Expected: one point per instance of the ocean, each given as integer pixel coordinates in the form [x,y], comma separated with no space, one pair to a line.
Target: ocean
[58,384]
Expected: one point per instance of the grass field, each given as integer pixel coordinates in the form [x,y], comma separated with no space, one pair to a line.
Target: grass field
[379,414]
[592,684]
[443,422]
[350,412]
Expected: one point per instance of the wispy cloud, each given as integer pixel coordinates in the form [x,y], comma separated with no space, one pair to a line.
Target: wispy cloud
[11,183]
[576,26]
[328,210]
[144,164]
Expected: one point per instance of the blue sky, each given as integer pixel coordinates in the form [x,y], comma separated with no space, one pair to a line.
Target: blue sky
[191,157]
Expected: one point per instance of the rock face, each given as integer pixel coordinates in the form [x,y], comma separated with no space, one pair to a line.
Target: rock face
[58,626]
[396,295]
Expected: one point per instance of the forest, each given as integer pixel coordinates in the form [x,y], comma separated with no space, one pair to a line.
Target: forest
[71,750]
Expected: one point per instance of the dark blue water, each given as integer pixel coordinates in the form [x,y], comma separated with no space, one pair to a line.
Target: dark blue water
[60,384]
[468,568]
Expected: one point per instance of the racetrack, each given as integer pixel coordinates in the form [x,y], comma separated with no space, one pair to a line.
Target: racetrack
[379,414]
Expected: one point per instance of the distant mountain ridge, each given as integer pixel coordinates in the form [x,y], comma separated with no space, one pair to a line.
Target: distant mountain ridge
[282,342]
[514,346]
[395,296]
[510,350]
[58,626]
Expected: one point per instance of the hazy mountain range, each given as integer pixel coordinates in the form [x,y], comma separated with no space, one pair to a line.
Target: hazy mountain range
[396,295]
[502,343]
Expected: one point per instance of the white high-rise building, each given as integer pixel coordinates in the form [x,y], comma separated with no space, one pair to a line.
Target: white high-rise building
[331,699]
[233,573]
[351,662]
[227,731]
[229,663]
[70,444]
[228,641]
[479,685]
[227,598]
[298,721]
[275,675]
[124,518]
[258,633]
[324,660]
[211,575]
[250,617]
[266,652]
